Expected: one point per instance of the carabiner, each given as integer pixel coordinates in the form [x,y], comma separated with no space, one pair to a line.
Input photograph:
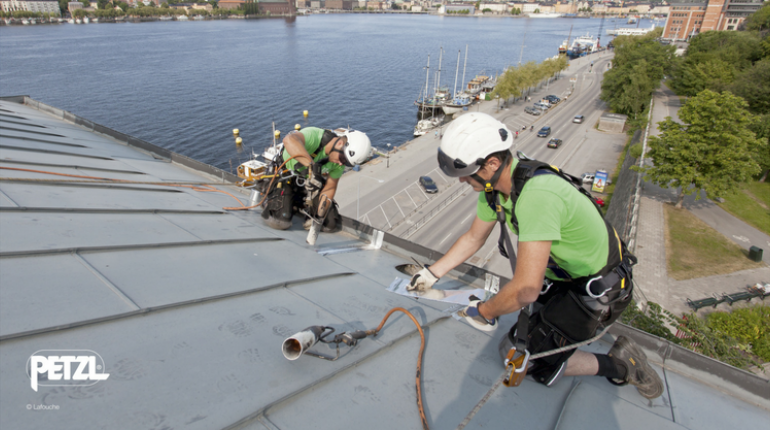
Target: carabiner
[517,366]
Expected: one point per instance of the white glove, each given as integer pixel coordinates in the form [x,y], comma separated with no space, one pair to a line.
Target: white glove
[472,316]
[422,280]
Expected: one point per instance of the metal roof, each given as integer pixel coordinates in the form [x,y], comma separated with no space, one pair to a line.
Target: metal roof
[188,305]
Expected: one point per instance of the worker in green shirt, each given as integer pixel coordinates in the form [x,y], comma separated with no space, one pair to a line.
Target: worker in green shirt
[319,157]
[569,262]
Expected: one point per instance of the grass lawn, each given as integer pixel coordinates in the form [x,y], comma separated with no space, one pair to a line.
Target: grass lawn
[751,204]
[695,250]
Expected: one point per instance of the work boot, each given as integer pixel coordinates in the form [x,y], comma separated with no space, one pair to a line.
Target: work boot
[638,371]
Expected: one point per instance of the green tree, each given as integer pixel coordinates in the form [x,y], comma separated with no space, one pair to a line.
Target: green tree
[164,5]
[123,6]
[63,5]
[102,4]
[86,3]
[712,150]
[759,20]
[762,156]
[754,86]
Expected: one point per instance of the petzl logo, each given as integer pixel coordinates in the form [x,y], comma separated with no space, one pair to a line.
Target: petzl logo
[65,368]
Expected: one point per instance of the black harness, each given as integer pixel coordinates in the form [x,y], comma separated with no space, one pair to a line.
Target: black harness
[619,260]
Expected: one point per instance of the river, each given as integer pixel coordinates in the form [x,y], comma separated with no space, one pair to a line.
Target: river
[186,85]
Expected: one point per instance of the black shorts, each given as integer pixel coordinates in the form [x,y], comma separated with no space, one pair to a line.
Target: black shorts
[566,318]
[283,202]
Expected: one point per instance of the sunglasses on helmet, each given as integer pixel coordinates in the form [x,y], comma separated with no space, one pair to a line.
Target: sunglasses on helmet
[455,167]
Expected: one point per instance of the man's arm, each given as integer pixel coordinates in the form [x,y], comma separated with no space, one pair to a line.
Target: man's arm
[294,144]
[330,189]
[467,245]
[532,259]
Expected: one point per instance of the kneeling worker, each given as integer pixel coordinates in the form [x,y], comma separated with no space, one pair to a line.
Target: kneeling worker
[320,158]
[563,239]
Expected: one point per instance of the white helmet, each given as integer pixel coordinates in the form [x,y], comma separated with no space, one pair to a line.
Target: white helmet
[469,140]
[358,148]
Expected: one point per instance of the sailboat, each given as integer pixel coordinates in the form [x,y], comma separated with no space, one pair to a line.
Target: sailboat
[440,94]
[461,100]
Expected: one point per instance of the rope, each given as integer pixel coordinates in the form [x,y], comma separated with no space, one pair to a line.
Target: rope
[419,360]
[499,381]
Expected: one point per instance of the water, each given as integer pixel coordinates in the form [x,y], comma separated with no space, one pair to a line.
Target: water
[186,85]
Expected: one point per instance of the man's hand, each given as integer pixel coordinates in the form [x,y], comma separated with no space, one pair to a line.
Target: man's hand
[473,317]
[314,183]
[422,280]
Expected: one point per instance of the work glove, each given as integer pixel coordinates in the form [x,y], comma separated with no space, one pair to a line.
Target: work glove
[422,280]
[471,315]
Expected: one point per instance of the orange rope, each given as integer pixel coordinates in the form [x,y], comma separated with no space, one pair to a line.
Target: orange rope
[419,360]
[200,188]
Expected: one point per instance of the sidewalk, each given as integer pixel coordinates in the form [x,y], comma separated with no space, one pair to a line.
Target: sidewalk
[651,275]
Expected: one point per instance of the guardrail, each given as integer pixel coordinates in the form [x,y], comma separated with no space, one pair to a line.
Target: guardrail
[435,211]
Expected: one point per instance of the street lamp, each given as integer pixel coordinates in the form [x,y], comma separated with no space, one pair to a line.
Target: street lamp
[387,162]
[358,197]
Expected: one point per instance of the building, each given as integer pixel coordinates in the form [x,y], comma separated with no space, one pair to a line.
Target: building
[688,18]
[39,6]
[230,4]
[340,4]
[277,7]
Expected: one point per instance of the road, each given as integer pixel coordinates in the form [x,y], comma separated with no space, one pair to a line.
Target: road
[385,194]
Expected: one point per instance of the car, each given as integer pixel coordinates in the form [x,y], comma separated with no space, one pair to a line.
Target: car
[545,102]
[544,132]
[532,111]
[554,143]
[599,202]
[578,119]
[542,106]
[553,99]
[589,178]
[428,185]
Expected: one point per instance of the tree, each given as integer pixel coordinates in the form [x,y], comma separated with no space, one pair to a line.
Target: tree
[762,130]
[102,4]
[759,20]
[711,151]
[754,86]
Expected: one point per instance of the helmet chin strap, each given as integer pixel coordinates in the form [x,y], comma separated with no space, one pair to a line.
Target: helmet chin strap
[490,184]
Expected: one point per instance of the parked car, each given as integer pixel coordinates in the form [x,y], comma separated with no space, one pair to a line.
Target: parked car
[542,106]
[578,119]
[554,143]
[428,185]
[589,178]
[553,99]
[545,102]
[544,132]
[532,111]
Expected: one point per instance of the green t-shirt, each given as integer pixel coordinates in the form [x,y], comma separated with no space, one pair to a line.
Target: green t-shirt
[312,144]
[551,209]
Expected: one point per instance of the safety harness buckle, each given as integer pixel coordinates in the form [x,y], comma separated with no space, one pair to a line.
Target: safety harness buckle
[517,366]
[588,287]
[547,284]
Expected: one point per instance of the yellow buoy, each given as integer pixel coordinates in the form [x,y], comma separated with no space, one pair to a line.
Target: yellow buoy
[297,126]
[304,113]
[236,132]
[238,140]
[277,134]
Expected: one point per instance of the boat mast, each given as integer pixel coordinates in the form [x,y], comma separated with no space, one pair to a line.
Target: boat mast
[427,71]
[457,72]
[438,78]
[465,64]
[521,54]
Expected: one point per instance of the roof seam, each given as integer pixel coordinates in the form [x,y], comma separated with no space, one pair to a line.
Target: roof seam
[133,247]
[30,131]
[263,410]
[73,166]
[115,289]
[162,308]
[106,211]
[48,151]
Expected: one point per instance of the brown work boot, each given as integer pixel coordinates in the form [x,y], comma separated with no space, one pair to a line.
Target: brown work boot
[638,371]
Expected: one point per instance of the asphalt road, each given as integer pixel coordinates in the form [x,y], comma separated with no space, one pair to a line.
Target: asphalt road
[385,193]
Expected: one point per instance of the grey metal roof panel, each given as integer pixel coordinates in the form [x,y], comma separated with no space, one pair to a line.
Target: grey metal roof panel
[65,292]
[188,305]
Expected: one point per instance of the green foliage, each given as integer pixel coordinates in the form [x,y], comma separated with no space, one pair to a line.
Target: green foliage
[251,7]
[639,65]
[86,3]
[712,151]
[716,59]
[63,5]
[123,6]
[636,150]
[759,20]
[715,339]
[515,80]
[753,85]
[486,9]
[515,11]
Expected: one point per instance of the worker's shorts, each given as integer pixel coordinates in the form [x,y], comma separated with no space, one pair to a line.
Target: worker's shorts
[564,318]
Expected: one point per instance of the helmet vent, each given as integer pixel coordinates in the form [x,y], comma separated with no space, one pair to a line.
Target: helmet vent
[503,134]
